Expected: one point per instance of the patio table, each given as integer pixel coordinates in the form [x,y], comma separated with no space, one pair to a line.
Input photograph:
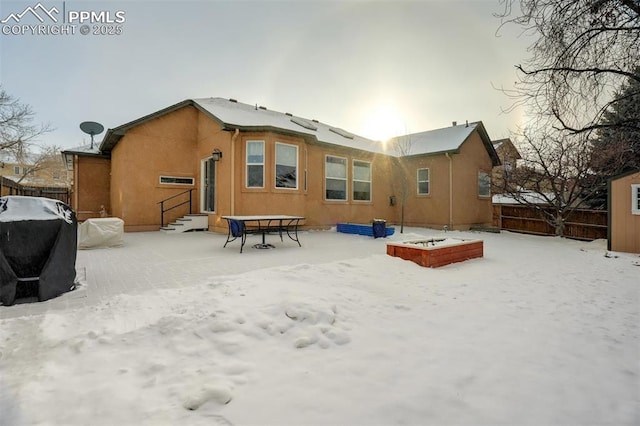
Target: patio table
[241,226]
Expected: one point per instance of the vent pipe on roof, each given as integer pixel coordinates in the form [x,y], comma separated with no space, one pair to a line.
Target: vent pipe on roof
[467,123]
[289,114]
[233,100]
[261,107]
[454,123]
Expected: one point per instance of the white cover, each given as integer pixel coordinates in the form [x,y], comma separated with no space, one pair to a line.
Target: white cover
[102,232]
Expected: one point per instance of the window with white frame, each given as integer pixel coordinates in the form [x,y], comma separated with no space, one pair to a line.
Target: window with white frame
[423,181]
[16,170]
[635,199]
[255,164]
[286,166]
[335,177]
[361,180]
[484,184]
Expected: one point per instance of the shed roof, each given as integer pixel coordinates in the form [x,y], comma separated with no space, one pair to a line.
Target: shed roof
[623,175]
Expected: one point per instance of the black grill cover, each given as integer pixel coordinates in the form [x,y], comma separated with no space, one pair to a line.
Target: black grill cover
[38,243]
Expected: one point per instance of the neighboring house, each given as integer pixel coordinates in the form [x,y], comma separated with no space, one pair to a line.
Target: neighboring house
[48,173]
[509,156]
[49,176]
[624,212]
[277,163]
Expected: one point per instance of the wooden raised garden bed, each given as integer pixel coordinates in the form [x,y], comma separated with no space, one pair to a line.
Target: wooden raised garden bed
[436,252]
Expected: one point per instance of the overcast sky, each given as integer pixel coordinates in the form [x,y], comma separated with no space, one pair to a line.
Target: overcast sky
[373,68]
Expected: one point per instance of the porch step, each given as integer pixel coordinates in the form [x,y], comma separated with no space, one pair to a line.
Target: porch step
[190,222]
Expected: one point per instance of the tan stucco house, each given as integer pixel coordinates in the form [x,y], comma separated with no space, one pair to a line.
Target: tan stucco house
[233,158]
[624,212]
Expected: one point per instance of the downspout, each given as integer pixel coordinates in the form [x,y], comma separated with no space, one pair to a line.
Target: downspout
[450,190]
[233,173]
[74,186]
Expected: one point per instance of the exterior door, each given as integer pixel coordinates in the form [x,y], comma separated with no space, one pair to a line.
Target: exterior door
[208,185]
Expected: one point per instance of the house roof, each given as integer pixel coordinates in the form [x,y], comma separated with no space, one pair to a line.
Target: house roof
[504,145]
[84,149]
[231,115]
[497,144]
[445,140]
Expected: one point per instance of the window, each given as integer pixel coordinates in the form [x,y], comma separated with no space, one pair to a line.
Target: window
[335,173]
[423,181]
[56,174]
[16,170]
[484,184]
[255,164]
[361,180]
[174,180]
[635,199]
[286,166]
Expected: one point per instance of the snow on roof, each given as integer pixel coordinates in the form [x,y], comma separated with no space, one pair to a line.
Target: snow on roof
[85,149]
[233,113]
[434,141]
[525,197]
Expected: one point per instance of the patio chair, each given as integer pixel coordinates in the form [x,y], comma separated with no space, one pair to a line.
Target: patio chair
[236,230]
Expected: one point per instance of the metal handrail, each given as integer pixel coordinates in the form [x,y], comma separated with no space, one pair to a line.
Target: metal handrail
[163,210]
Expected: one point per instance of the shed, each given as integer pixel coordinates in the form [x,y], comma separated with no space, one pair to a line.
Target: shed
[624,212]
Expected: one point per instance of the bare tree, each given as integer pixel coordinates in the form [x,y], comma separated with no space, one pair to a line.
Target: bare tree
[584,51]
[401,182]
[17,128]
[47,158]
[556,176]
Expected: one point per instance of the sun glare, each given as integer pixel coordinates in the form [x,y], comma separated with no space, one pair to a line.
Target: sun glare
[382,123]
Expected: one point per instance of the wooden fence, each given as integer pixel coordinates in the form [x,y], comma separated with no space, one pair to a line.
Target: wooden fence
[582,224]
[9,187]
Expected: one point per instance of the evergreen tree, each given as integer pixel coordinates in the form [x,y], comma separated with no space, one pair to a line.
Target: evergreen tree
[617,147]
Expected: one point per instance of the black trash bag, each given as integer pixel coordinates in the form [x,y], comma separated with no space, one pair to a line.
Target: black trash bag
[38,243]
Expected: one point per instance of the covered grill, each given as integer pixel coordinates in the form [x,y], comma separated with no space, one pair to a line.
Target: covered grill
[38,244]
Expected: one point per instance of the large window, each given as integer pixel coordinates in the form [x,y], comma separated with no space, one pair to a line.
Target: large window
[423,182]
[635,199]
[484,184]
[286,166]
[335,173]
[361,180]
[255,164]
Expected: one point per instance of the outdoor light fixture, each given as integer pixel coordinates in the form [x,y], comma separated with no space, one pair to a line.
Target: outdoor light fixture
[216,155]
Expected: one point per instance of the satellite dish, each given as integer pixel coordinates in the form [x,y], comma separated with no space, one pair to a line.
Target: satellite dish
[91,128]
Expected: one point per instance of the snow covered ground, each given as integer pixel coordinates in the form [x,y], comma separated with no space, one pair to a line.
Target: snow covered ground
[541,331]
